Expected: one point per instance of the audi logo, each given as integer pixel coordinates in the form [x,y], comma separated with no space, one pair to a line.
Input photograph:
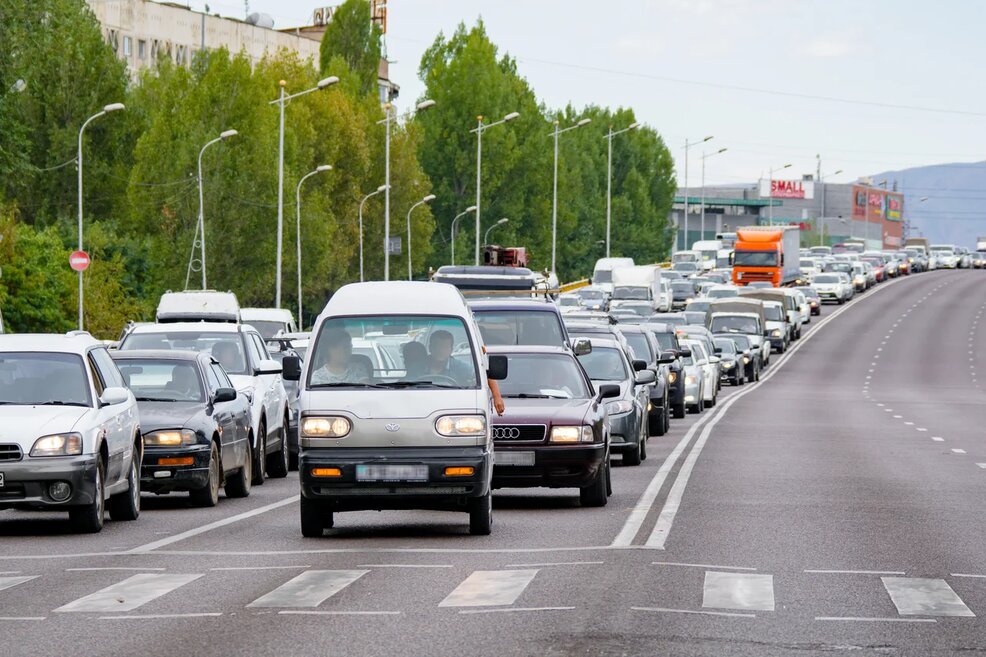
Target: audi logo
[506,433]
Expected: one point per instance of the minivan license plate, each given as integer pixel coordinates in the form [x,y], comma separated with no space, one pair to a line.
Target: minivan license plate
[392,473]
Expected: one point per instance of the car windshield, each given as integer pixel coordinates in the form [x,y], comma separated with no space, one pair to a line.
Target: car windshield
[685,266]
[755,259]
[773,313]
[543,375]
[631,293]
[434,352]
[602,276]
[741,342]
[569,301]
[520,327]
[683,287]
[34,378]
[266,328]
[734,324]
[227,348]
[665,341]
[722,293]
[639,345]
[604,364]
[595,295]
[826,279]
[162,380]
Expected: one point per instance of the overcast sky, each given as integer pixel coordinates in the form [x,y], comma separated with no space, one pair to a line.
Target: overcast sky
[691,68]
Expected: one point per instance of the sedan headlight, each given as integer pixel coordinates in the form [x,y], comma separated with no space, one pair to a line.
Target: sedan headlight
[582,434]
[59,444]
[691,379]
[727,364]
[331,426]
[672,377]
[776,333]
[746,360]
[619,407]
[169,438]
[461,425]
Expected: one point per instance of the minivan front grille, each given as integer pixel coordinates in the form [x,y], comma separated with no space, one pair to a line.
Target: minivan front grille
[11,453]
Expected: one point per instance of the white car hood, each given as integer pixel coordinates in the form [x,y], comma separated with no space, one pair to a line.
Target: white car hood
[382,404]
[25,424]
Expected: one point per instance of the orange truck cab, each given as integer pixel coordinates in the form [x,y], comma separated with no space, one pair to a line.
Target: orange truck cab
[767,254]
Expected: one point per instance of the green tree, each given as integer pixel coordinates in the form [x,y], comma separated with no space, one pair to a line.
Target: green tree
[354,37]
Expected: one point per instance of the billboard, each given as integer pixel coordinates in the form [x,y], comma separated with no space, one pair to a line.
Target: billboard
[895,207]
[801,189]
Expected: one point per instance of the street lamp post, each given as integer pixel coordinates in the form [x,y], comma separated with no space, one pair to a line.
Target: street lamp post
[706,156]
[486,235]
[427,199]
[554,193]
[282,101]
[378,190]
[685,214]
[471,208]
[297,204]
[200,226]
[389,118]
[609,177]
[770,191]
[821,218]
[479,129]
[112,107]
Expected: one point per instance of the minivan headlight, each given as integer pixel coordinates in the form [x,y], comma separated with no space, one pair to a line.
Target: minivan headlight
[330,426]
[169,438]
[461,425]
[59,444]
[582,434]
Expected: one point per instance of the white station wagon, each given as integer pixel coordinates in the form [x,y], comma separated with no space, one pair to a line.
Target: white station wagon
[69,430]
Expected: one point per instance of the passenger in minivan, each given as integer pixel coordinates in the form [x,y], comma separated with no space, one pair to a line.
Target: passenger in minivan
[415,359]
[339,366]
[442,363]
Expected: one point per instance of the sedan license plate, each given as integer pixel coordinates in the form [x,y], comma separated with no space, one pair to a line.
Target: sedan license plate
[392,473]
[513,458]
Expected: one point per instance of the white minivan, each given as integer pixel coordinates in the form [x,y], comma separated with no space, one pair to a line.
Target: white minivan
[415,435]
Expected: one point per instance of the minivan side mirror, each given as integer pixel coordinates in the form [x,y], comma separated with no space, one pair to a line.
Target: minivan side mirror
[608,391]
[497,370]
[582,346]
[291,367]
[639,365]
[224,395]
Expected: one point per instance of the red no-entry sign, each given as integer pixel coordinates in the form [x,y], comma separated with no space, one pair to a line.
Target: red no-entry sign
[79,260]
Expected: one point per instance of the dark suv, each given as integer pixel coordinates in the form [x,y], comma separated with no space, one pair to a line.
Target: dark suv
[667,339]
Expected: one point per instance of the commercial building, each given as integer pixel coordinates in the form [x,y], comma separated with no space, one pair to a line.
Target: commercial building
[142,31]
[828,213]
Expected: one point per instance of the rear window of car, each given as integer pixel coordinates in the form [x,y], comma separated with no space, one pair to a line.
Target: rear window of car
[520,327]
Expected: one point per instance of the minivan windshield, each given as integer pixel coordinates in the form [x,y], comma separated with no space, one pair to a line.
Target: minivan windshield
[520,327]
[773,313]
[434,352]
[544,375]
[734,324]
[38,379]
[641,293]
[227,348]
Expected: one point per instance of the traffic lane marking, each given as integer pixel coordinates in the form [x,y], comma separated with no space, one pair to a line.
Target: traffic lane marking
[919,596]
[489,588]
[309,589]
[743,591]
[130,594]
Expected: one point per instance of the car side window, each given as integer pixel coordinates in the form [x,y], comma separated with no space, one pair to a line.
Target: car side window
[261,346]
[254,351]
[220,373]
[212,379]
[108,371]
[96,380]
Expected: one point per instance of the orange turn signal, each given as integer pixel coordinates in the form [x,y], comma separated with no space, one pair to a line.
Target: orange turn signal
[462,471]
[326,472]
[178,460]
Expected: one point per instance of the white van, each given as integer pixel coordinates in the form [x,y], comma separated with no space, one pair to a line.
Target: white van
[602,273]
[269,321]
[198,306]
[412,435]
[708,252]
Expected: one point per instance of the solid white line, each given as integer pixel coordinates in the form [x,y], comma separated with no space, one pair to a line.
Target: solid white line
[967,575]
[316,612]
[699,565]
[730,614]
[22,618]
[858,572]
[260,567]
[154,545]
[512,610]
[208,614]
[82,570]
[856,619]
[555,563]
[403,565]
[10,572]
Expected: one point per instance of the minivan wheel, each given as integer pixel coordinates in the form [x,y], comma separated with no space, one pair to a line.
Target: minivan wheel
[481,515]
[595,493]
[208,496]
[314,519]
[126,505]
[277,463]
[238,484]
[260,456]
[89,519]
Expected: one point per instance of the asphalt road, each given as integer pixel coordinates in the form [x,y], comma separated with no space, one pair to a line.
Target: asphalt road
[837,506]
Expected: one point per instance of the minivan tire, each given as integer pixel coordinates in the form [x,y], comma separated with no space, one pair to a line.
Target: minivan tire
[595,493]
[481,515]
[126,505]
[314,519]
[89,519]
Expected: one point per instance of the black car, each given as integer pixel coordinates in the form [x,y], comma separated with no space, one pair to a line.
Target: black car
[646,347]
[667,339]
[750,354]
[814,301]
[554,432]
[196,428]
[731,361]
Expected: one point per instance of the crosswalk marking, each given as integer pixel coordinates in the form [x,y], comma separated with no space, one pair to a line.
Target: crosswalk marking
[130,593]
[309,589]
[8,582]
[918,596]
[490,588]
[738,591]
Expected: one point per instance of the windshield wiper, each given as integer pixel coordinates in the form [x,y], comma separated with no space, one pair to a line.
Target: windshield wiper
[315,386]
[524,395]
[415,384]
[158,399]
[57,402]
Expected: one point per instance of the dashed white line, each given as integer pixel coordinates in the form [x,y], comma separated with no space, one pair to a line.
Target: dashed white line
[856,572]
[958,451]
[513,610]
[938,439]
[699,565]
[854,619]
[730,614]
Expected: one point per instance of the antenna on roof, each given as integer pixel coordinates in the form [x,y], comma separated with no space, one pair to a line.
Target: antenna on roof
[246,8]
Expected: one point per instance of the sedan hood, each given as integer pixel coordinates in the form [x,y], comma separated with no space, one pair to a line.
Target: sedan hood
[544,411]
[25,424]
[167,415]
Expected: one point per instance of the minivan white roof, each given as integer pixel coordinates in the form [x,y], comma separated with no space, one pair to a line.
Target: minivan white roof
[201,305]
[397,298]
[267,315]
